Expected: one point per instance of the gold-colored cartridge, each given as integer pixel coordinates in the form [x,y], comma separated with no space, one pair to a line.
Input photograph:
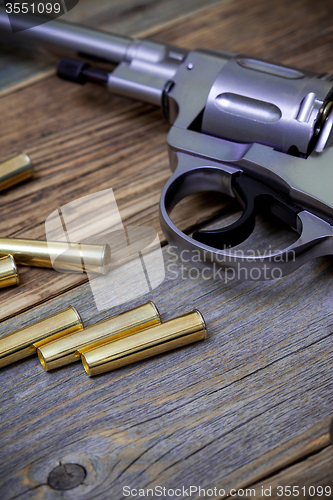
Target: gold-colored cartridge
[66,257]
[14,170]
[62,352]
[8,272]
[19,344]
[174,333]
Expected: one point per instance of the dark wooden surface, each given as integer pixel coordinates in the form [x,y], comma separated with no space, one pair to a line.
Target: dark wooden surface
[310,474]
[251,406]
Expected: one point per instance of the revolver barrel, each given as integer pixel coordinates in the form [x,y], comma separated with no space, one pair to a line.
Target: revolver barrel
[61,38]
[143,67]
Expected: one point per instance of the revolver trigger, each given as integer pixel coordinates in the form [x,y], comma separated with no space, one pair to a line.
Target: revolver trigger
[229,236]
[254,196]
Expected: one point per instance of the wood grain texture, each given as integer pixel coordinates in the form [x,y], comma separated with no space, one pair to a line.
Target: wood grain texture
[257,396]
[216,413]
[82,140]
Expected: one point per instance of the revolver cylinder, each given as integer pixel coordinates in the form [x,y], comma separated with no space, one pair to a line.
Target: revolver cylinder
[256,101]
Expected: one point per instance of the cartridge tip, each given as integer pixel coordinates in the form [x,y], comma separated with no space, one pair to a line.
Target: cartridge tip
[85,365]
[202,319]
[15,170]
[80,325]
[41,359]
[8,272]
[106,260]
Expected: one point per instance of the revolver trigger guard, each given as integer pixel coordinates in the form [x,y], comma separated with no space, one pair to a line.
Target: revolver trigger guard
[315,234]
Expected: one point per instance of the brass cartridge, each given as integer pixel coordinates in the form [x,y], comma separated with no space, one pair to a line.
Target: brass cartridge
[161,338]
[19,344]
[62,352]
[8,272]
[15,170]
[68,257]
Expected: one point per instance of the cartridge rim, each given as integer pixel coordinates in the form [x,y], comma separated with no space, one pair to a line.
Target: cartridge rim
[16,274]
[105,260]
[85,364]
[155,309]
[29,166]
[75,311]
[41,359]
[14,267]
[202,319]
[14,170]
[9,275]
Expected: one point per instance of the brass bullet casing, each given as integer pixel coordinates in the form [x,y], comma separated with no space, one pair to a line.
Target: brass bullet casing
[19,344]
[8,272]
[16,169]
[62,352]
[69,257]
[169,335]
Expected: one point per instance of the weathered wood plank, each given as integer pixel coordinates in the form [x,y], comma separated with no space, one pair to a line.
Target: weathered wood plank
[276,31]
[131,17]
[214,414]
[228,412]
[21,68]
[308,477]
[94,140]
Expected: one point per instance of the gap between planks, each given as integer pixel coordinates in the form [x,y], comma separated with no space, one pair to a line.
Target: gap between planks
[313,472]
[301,453]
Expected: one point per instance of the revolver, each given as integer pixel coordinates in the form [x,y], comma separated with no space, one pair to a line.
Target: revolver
[256,131]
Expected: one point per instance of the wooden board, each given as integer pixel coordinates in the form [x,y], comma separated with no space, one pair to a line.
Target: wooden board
[217,413]
[312,474]
[213,413]
[230,412]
